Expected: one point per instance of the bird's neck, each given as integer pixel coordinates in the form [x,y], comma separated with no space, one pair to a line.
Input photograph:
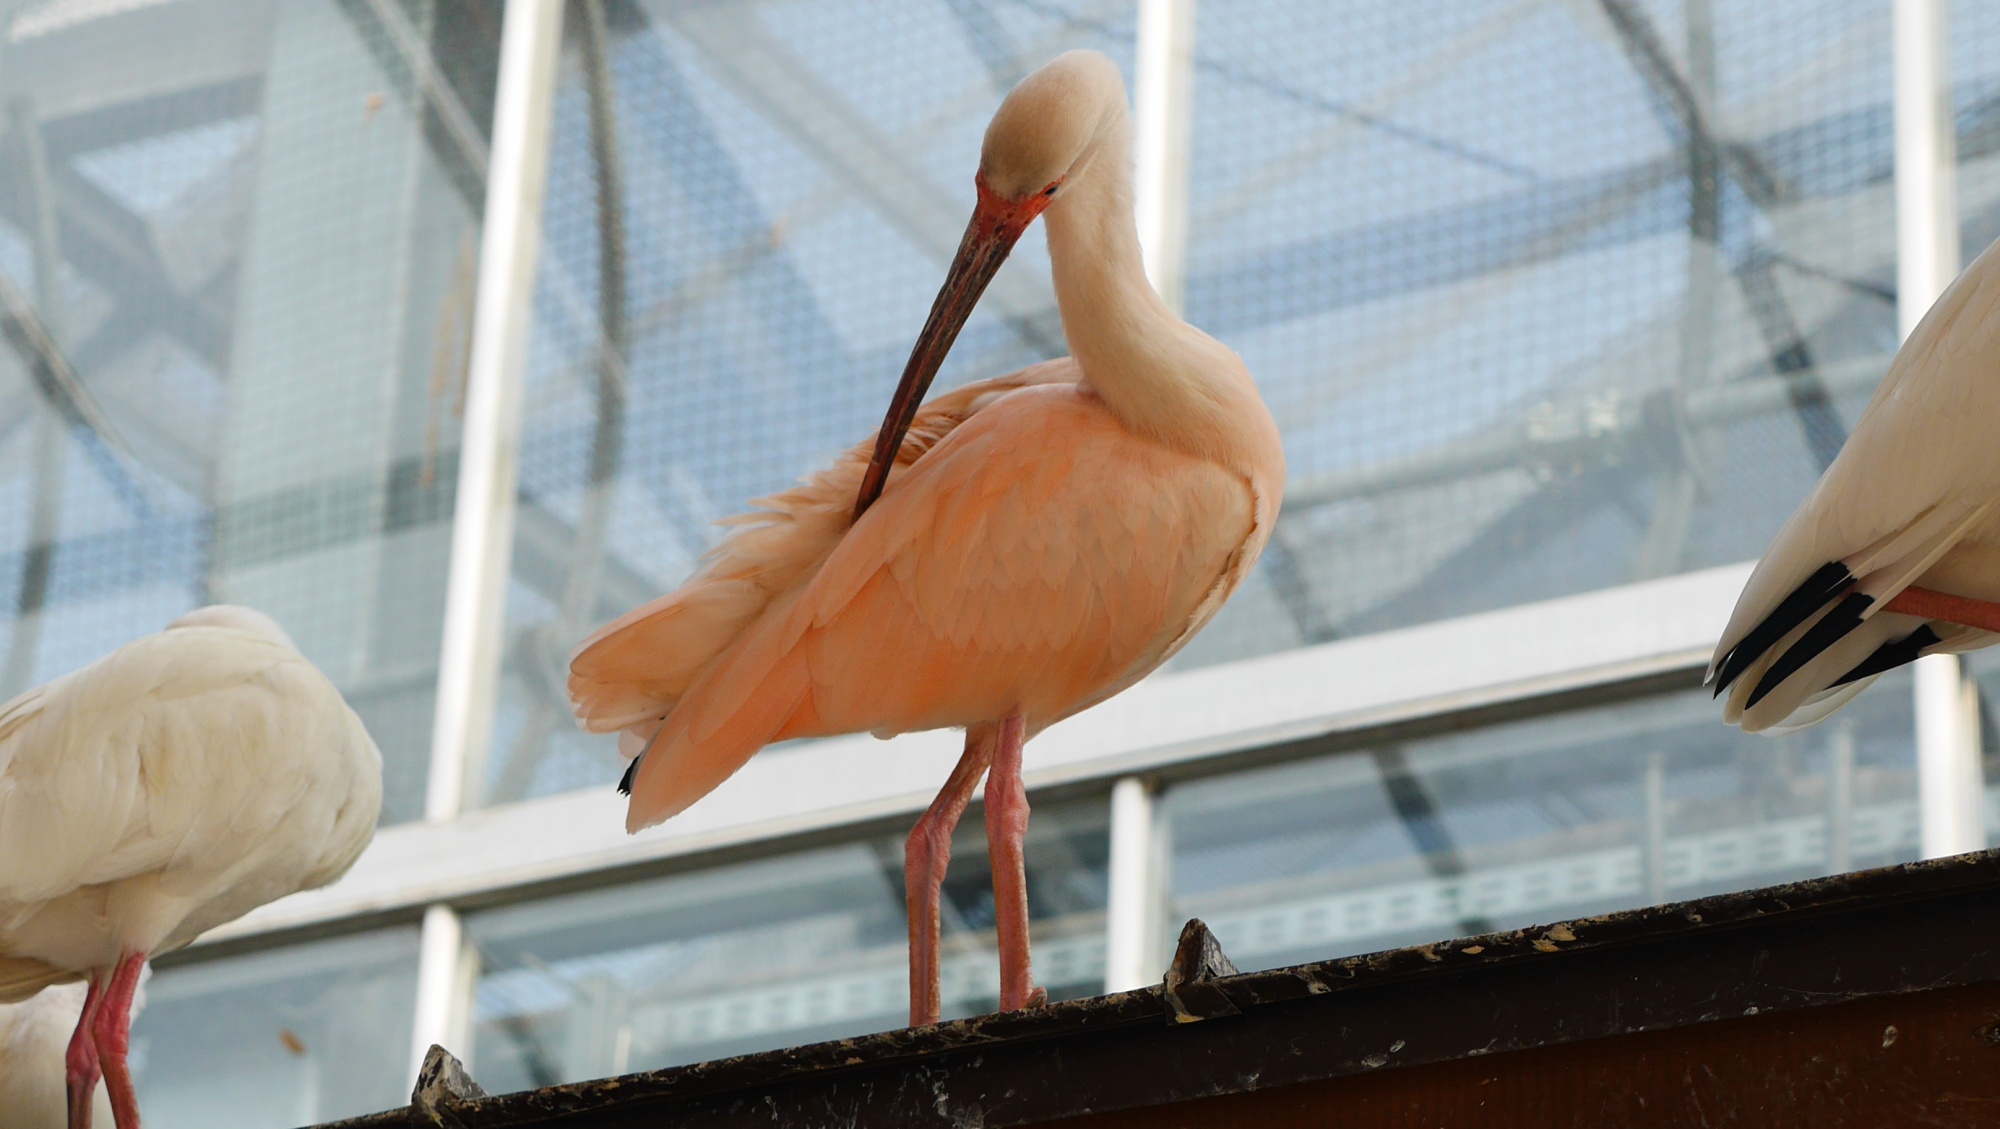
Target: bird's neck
[1160,376]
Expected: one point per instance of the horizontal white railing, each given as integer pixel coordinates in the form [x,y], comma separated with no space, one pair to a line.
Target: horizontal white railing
[871,984]
[1550,886]
[1172,718]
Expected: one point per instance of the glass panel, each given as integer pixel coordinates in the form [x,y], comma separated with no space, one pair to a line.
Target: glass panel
[1544,302]
[796,176]
[238,245]
[1577,813]
[773,953]
[294,1036]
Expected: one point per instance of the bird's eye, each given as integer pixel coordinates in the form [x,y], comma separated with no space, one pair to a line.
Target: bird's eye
[1051,189]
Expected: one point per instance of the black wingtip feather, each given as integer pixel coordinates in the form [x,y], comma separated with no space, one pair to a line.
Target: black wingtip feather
[625,781]
[1829,581]
[1831,629]
[1892,654]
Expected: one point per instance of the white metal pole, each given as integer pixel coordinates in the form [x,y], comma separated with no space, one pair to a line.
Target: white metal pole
[1135,908]
[483,522]
[446,973]
[1162,105]
[1926,203]
[1655,854]
[1840,798]
[1950,784]
[1948,771]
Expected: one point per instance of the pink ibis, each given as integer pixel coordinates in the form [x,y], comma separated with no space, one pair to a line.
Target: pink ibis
[996,559]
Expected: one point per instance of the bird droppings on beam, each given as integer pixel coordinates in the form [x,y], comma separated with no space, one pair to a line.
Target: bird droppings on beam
[1916,947]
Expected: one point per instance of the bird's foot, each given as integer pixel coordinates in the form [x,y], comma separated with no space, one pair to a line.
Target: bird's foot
[1035,996]
[1019,989]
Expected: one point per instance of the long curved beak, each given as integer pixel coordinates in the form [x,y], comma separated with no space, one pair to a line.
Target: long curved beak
[997,224]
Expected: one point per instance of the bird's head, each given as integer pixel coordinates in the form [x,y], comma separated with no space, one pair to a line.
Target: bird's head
[1039,144]
[1046,131]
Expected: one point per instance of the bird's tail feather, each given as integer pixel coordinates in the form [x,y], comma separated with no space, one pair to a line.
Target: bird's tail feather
[1832,651]
[747,699]
[1833,628]
[1821,706]
[631,670]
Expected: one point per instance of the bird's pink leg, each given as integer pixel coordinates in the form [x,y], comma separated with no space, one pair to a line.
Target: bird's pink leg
[925,855]
[80,1060]
[1962,610]
[1006,827]
[111,1031]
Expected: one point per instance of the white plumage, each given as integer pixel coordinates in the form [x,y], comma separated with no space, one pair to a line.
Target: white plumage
[167,788]
[1908,503]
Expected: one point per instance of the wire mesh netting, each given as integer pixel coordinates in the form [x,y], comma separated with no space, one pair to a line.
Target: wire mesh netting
[1546,297]
[237,241]
[1975,81]
[794,179]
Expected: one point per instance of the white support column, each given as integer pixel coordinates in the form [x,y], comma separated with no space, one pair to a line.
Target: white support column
[1654,854]
[1135,910]
[1162,104]
[483,523]
[447,974]
[1950,786]
[1948,771]
[1840,797]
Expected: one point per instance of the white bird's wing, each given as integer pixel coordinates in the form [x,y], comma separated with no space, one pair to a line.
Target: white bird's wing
[217,766]
[1920,471]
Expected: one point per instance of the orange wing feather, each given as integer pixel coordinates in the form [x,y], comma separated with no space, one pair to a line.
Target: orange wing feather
[629,674]
[1038,556]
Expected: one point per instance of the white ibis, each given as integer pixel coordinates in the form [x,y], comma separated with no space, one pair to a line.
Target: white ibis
[173,785]
[1045,539]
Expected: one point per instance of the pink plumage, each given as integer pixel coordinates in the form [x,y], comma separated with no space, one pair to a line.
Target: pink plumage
[1044,539]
